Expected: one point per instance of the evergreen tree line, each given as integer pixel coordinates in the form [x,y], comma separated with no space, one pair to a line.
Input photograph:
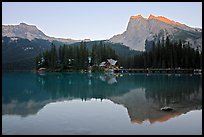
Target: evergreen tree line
[163,54]
[168,54]
[74,57]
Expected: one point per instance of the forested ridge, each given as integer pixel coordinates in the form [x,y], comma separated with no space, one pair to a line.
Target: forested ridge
[163,54]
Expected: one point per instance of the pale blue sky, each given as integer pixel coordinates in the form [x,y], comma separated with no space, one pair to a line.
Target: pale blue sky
[95,20]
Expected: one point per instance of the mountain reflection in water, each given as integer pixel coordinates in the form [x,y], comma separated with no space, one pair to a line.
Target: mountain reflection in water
[142,95]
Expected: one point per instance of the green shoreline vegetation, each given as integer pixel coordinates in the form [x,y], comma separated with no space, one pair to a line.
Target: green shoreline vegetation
[162,54]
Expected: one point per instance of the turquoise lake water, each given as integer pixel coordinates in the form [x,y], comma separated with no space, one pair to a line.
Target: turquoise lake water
[84,103]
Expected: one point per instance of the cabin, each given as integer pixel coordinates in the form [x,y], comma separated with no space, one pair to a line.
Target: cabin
[109,64]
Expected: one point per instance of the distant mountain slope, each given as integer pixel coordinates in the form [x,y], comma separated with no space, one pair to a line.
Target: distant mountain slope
[140,29]
[120,49]
[30,32]
[22,43]
[20,53]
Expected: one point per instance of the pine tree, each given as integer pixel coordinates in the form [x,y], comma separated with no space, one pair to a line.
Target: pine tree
[53,57]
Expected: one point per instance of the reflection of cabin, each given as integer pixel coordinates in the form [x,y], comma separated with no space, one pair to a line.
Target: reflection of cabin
[110,79]
[41,69]
[110,64]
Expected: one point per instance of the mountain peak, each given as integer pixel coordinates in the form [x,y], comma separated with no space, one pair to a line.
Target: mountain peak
[137,16]
[29,32]
[166,20]
[160,18]
[151,16]
[140,29]
[23,24]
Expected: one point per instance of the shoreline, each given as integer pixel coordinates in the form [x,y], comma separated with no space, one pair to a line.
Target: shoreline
[138,71]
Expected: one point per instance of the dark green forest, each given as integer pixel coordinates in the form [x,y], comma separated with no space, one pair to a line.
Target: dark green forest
[162,54]
[168,54]
[74,57]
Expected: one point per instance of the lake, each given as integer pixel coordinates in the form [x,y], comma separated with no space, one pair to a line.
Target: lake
[98,103]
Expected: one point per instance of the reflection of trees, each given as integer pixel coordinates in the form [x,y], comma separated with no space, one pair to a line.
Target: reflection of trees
[21,95]
[162,88]
[172,89]
[21,86]
[182,93]
[21,90]
[81,86]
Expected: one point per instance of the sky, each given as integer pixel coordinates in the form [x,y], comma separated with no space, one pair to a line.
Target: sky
[94,20]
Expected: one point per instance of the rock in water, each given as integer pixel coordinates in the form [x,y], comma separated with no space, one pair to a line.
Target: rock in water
[166,109]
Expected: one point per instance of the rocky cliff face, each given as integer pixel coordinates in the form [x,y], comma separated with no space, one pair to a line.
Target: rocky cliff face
[140,29]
